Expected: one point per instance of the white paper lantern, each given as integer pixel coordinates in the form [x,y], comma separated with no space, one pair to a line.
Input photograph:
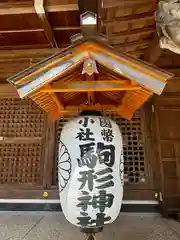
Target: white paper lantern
[90,171]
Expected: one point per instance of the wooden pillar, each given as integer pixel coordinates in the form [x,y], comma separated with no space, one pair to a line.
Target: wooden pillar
[48,153]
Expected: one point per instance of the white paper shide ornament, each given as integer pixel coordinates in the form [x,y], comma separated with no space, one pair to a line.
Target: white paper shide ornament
[90,171]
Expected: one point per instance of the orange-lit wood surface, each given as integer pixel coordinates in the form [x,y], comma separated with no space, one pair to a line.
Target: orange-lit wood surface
[90,75]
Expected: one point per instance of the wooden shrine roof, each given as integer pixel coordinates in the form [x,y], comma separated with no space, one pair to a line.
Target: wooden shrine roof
[71,80]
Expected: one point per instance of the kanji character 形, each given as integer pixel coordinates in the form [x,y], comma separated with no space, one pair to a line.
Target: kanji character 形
[105,181]
[87,177]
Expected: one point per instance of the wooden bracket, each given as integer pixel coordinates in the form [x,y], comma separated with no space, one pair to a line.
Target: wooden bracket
[39,8]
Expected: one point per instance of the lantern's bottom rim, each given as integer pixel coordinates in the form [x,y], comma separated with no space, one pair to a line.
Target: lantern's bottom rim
[91,229]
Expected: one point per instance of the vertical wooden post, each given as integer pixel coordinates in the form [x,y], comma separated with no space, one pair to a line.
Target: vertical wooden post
[49,152]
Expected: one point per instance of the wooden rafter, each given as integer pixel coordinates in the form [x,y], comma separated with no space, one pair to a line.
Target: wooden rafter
[97,107]
[39,8]
[54,97]
[61,6]
[25,7]
[91,86]
[153,51]
[7,8]
[39,29]
[18,47]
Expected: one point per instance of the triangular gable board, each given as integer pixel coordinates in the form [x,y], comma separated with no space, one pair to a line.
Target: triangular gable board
[151,79]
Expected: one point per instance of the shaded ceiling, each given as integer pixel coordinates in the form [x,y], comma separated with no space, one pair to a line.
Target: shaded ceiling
[129,24]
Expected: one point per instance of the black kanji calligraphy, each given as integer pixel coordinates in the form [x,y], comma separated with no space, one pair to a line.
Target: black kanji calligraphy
[107,134]
[106,154]
[102,200]
[85,135]
[105,180]
[87,177]
[101,219]
[89,159]
[84,201]
[84,214]
[105,122]
[84,221]
[85,121]
[85,148]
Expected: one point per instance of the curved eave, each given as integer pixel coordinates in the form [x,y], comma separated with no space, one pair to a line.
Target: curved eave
[37,76]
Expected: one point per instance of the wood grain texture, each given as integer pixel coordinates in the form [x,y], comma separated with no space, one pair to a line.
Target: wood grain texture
[49,151]
[168,136]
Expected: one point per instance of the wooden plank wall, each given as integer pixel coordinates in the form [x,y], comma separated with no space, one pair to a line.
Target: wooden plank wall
[167,143]
[166,139]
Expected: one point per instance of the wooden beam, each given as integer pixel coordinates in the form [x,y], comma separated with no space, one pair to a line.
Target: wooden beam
[39,8]
[90,86]
[8,91]
[21,31]
[129,19]
[61,6]
[126,3]
[22,47]
[98,107]
[126,34]
[26,53]
[140,44]
[154,51]
[54,97]
[10,8]
[26,7]
[40,30]
[66,28]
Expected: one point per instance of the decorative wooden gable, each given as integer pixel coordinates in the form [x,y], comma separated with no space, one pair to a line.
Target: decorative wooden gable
[90,75]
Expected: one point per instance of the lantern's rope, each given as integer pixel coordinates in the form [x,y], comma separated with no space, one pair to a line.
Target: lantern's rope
[90,236]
